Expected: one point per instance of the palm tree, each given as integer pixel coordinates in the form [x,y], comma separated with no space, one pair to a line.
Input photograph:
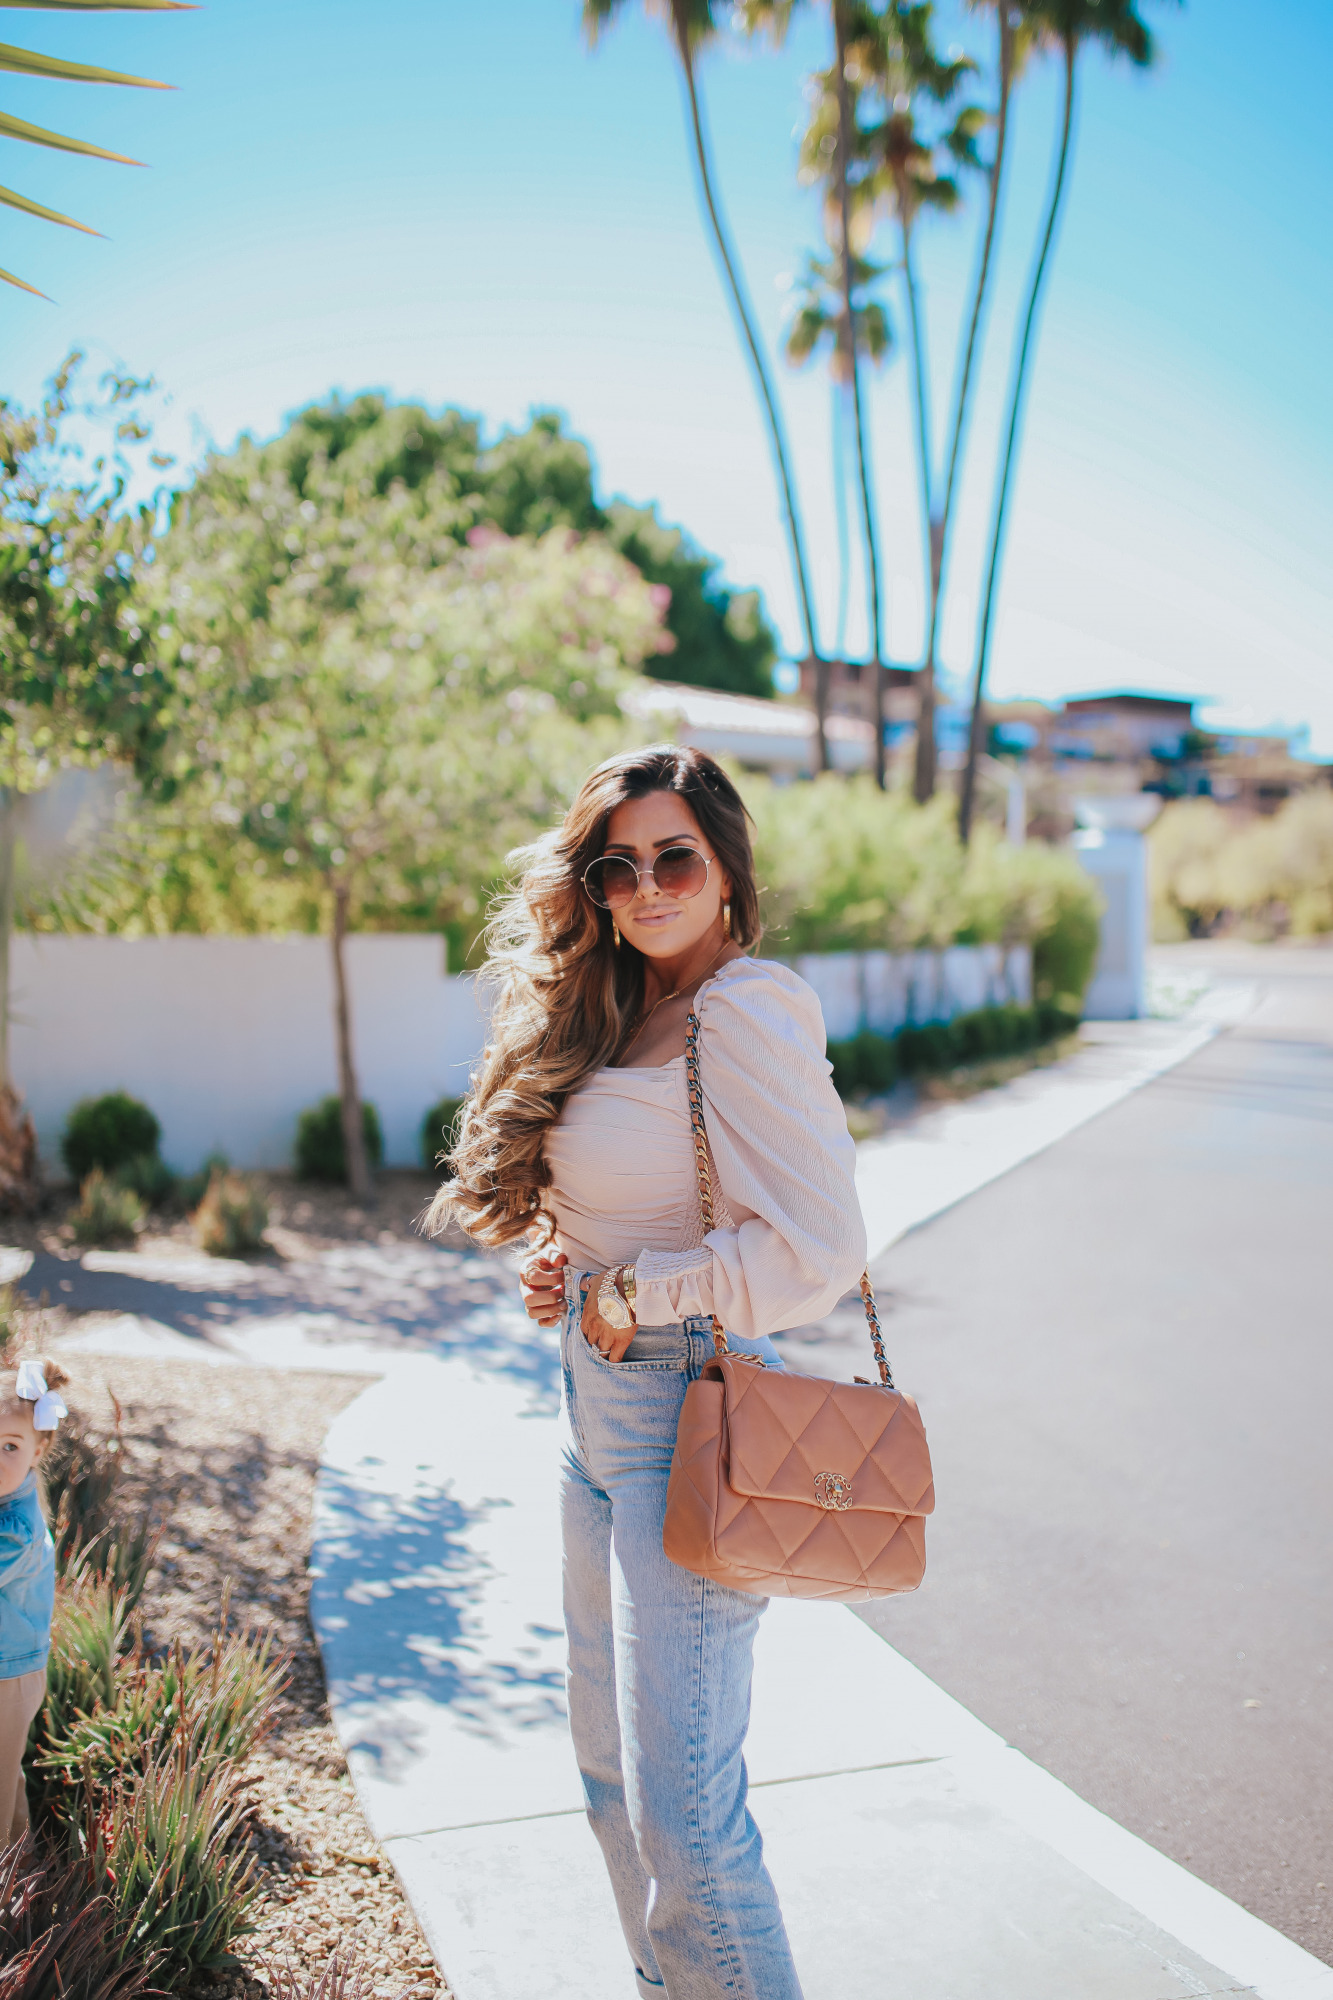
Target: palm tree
[690,24]
[821,320]
[26,62]
[1013,43]
[1068,25]
[908,179]
[830,150]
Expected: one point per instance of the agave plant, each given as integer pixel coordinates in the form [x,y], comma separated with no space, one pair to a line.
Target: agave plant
[219,1707]
[27,62]
[163,1850]
[57,1939]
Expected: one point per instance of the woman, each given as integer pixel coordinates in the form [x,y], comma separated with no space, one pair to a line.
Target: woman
[577,1137]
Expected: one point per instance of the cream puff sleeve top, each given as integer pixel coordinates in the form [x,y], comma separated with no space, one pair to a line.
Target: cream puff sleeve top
[789,1239]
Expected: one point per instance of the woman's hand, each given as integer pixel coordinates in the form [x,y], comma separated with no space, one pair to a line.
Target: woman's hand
[610,1341]
[541,1280]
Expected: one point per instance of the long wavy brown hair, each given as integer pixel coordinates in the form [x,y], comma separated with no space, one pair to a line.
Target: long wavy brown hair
[565,998]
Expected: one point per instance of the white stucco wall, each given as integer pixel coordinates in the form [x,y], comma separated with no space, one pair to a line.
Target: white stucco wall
[227,1039]
[884,990]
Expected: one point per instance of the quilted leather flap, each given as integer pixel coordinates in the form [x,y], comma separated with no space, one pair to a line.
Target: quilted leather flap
[840,1444]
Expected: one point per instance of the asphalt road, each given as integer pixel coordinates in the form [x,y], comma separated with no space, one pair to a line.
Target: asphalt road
[1124,1351]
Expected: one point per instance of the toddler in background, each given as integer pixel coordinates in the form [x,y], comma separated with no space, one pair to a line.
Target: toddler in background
[30,1409]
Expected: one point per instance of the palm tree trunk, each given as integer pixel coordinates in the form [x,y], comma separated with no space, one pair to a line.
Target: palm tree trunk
[777,440]
[939,528]
[977,730]
[923,776]
[854,364]
[354,1135]
[8,814]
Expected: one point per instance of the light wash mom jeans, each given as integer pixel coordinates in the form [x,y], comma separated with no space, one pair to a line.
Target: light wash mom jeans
[659,1683]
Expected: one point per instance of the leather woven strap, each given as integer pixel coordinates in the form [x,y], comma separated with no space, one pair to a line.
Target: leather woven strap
[696,1097]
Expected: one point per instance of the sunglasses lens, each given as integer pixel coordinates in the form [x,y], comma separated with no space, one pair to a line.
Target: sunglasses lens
[680,871]
[611,882]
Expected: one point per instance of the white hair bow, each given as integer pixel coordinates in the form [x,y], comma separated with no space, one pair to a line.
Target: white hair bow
[48,1404]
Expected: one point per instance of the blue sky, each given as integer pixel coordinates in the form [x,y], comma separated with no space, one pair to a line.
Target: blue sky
[461,203]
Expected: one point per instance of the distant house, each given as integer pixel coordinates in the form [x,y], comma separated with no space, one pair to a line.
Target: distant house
[1123,727]
[1119,741]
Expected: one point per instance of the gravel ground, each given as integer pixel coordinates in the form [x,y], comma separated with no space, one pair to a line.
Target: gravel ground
[304,1217]
[228,1455]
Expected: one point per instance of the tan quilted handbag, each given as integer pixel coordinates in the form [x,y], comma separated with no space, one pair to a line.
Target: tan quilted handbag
[785,1485]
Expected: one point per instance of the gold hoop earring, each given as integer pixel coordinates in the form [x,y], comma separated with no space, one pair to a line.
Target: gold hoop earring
[615,933]
[726,919]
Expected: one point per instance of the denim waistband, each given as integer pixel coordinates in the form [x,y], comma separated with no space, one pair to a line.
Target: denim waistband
[661,1343]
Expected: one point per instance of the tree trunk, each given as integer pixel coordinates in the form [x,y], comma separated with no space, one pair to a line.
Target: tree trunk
[924,771]
[354,1135]
[854,364]
[740,305]
[20,1186]
[8,814]
[939,527]
[977,729]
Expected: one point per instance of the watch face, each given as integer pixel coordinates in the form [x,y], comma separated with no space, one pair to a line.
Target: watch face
[613,1309]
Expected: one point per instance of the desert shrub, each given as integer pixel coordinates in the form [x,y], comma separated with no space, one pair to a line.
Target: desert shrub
[9,1321]
[1268,877]
[108,1132]
[149,1176]
[58,1939]
[232,1216]
[89,1633]
[220,1704]
[846,867]
[133,1765]
[320,1153]
[1064,951]
[106,1212]
[163,1849]
[437,1133]
[338,1979]
[191,1188]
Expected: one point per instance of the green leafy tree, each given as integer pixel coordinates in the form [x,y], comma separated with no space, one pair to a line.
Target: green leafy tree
[1067,26]
[27,62]
[78,684]
[528,482]
[691,25]
[722,637]
[363,702]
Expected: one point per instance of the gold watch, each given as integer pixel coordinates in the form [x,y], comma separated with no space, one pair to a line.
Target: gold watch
[611,1308]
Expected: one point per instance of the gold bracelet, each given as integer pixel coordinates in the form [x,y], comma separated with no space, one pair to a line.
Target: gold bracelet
[627,1281]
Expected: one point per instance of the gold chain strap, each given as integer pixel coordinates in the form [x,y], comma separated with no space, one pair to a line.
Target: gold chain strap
[694,1090]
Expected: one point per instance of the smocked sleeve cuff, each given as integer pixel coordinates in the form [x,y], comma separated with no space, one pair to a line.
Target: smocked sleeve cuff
[671,1285]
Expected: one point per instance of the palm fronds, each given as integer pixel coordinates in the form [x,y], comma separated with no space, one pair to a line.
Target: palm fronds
[28,62]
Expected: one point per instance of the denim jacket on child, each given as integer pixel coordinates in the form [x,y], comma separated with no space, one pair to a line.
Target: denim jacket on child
[27,1582]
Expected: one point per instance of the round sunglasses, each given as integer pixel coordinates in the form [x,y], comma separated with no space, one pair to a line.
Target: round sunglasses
[612,880]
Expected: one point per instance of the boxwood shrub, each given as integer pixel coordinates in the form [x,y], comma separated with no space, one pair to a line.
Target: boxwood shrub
[108,1132]
[872,1063]
[320,1152]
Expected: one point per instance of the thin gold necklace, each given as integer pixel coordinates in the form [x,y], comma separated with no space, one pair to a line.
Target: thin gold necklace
[670,996]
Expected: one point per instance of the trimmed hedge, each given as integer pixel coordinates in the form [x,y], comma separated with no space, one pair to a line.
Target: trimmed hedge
[873,1063]
[109,1132]
[320,1152]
